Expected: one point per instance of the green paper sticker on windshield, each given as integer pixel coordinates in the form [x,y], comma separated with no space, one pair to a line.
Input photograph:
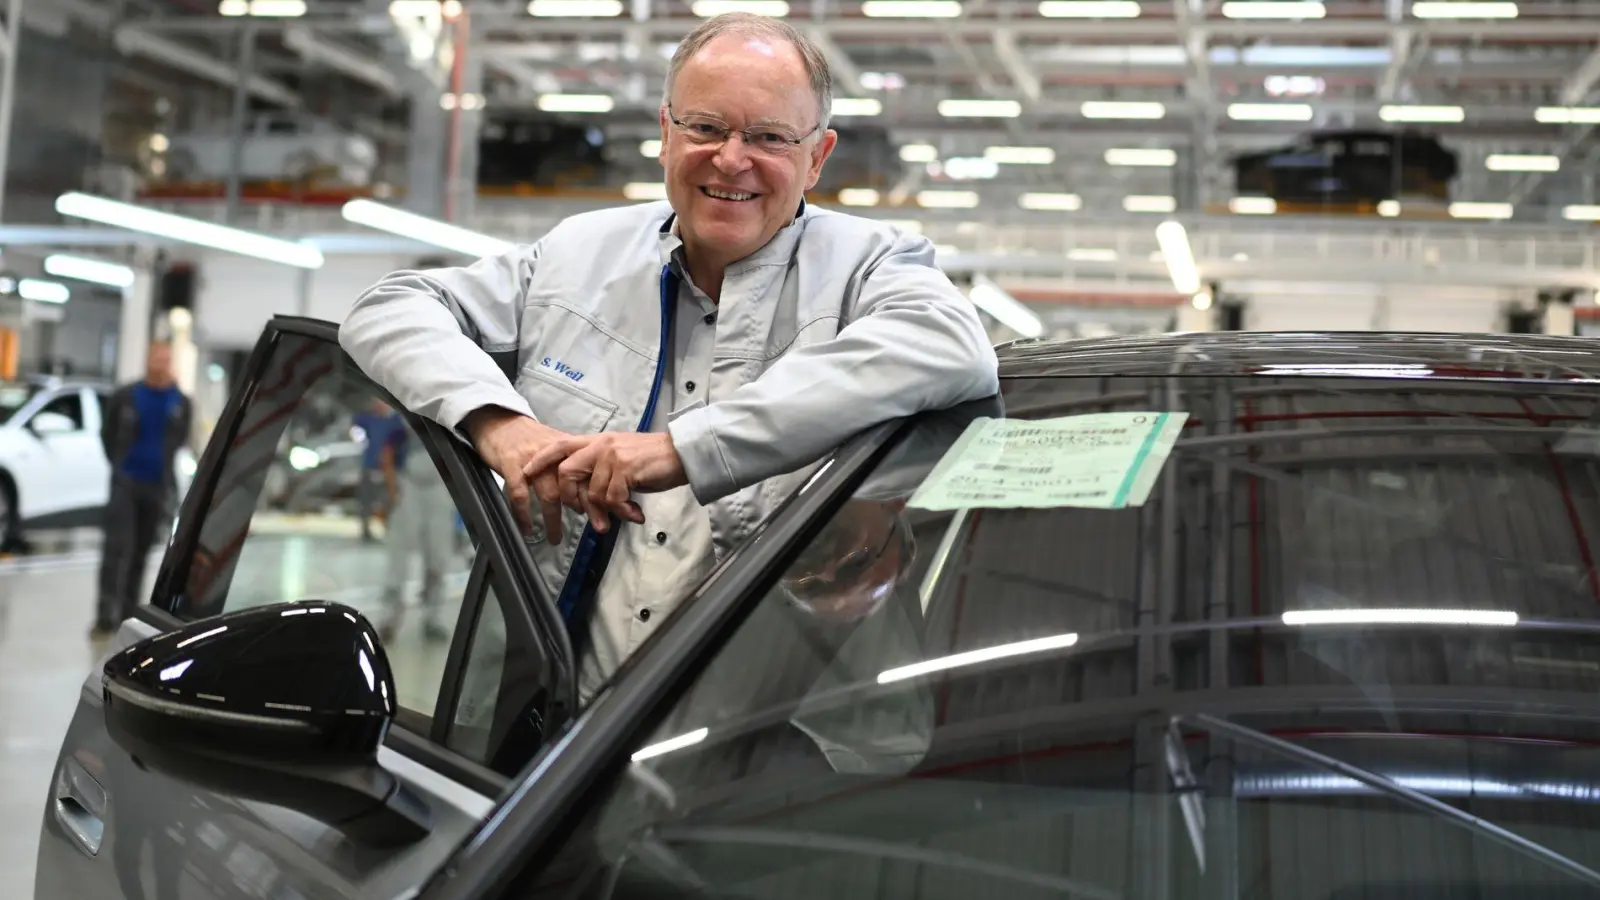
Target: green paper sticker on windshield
[1100,461]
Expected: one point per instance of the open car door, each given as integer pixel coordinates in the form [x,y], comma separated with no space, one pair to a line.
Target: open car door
[481,669]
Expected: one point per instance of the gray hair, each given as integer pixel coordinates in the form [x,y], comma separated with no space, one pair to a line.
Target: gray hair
[752,25]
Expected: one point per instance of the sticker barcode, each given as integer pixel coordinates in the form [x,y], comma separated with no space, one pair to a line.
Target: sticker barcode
[1007,467]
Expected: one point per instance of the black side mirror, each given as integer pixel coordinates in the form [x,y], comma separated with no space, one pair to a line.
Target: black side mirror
[286,704]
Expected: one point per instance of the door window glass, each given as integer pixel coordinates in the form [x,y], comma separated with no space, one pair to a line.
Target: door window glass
[497,720]
[69,405]
[328,494]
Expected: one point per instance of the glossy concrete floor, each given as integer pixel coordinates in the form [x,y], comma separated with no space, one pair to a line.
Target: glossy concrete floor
[47,604]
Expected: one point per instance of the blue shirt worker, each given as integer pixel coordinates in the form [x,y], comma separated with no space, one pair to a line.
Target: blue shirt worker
[660,376]
[142,428]
[379,424]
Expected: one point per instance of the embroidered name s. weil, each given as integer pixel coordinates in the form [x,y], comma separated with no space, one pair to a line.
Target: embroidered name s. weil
[561,368]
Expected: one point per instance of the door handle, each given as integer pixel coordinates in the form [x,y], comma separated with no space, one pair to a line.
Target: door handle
[80,806]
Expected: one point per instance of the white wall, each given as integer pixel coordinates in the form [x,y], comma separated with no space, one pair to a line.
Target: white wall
[237,295]
[1309,306]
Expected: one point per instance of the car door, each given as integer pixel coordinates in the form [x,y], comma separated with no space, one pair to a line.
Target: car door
[59,472]
[481,670]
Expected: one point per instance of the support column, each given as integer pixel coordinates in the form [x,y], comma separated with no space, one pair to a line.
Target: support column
[133,334]
[8,91]
[240,120]
[466,124]
[425,151]
[1557,313]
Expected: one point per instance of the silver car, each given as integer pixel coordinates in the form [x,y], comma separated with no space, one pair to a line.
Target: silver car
[1184,617]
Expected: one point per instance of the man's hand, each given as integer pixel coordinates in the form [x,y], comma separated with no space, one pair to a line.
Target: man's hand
[597,473]
[506,440]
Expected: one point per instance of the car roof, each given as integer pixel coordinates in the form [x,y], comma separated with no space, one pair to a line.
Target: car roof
[1484,356]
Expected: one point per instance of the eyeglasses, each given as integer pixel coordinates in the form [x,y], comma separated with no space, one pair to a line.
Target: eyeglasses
[849,569]
[772,140]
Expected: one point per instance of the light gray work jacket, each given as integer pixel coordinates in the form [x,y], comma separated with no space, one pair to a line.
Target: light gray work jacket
[837,324]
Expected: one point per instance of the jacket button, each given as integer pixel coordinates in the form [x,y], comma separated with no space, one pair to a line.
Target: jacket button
[661,537]
[688,386]
[710,319]
[644,615]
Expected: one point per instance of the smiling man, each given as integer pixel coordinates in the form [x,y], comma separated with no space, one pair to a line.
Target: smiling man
[663,375]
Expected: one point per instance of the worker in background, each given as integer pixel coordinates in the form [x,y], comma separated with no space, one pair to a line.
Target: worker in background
[661,376]
[142,428]
[378,423]
[421,527]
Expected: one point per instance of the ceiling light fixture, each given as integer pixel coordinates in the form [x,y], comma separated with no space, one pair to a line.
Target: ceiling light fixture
[576,103]
[1149,203]
[423,229]
[858,197]
[187,230]
[911,9]
[1020,156]
[111,274]
[1089,9]
[650,148]
[575,9]
[43,291]
[1466,210]
[856,106]
[1048,202]
[1272,9]
[1428,9]
[263,9]
[1141,156]
[1518,162]
[1118,109]
[1270,112]
[1420,114]
[1179,257]
[1092,254]
[1567,115]
[1252,206]
[772,9]
[976,109]
[1581,213]
[645,190]
[919,153]
[947,199]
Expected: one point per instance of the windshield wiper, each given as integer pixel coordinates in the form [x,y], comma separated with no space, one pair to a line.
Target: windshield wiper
[809,840]
[1461,818]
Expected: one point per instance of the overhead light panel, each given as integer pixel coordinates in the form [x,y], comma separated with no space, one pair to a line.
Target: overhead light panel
[1388,208]
[1141,156]
[645,190]
[919,153]
[1092,254]
[1567,115]
[264,9]
[1270,112]
[1179,257]
[43,291]
[947,199]
[772,9]
[187,230]
[1581,213]
[1149,203]
[423,229]
[1464,210]
[1122,109]
[980,109]
[858,197]
[857,106]
[111,274]
[1421,114]
[968,168]
[576,103]
[1457,10]
[1272,9]
[575,9]
[1252,206]
[911,9]
[1005,309]
[650,148]
[1482,617]
[1517,162]
[1020,156]
[1089,9]
[1049,202]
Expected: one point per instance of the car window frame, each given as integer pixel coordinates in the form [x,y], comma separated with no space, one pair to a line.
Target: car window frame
[546,799]
[500,554]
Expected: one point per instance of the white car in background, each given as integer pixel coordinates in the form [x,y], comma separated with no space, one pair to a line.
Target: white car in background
[276,148]
[53,468]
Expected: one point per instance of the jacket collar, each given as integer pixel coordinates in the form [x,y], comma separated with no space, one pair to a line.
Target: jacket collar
[780,249]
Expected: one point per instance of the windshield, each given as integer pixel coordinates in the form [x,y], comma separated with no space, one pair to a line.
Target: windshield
[1340,642]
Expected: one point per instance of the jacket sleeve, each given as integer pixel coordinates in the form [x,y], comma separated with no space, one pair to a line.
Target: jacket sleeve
[431,337]
[915,343]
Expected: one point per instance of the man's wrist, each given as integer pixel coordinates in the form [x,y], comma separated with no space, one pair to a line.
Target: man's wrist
[485,418]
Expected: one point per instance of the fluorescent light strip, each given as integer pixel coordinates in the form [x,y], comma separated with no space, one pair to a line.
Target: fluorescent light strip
[645,190]
[947,199]
[43,291]
[1517,162]
[974,657]
[575,9]
[1118,109]
[1435,114]
[1138,156]
[1270,112]
[706,9]
[1485,617]
[1581,213]
[856,106]
[1148,203]
[919,153]
[111,274]
[1252,206]
[911,9]
[1272,9]
[1020,156]
[858,197]
[1567,115]
[1466,210]
[667,746]
[1047,202]
[650,148]
[187,230]
[1089,9]
[992,109]
[423,229]
[1092,254]
[576,103]
[1448,9]
[265,9]
[1388,208]
[1175,251]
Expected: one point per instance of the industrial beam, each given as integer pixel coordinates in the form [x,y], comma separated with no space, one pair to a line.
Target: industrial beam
[1022,77]
[140,42]
[342,59]
[1582,80]
[1399,59]
[844,68]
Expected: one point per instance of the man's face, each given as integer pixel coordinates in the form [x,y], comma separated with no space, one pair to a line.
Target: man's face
[741,81]
[158,366]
